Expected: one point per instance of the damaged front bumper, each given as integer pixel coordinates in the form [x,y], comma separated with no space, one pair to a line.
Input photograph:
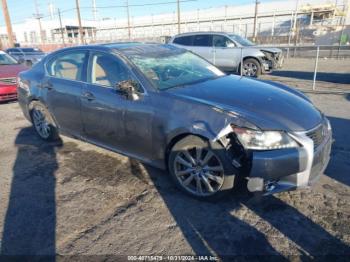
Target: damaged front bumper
[287,169]
[272,62]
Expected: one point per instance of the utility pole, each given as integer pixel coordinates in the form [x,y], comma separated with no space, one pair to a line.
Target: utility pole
[178,17]
[128,14]
[295,23]
[51,10]
[38,16]
[255,19]
[79,22]
[94,10]
[61,27]
[8,23]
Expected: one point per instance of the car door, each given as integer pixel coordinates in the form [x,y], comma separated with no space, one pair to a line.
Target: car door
[109,118]
[63,85]
[227,54]
[202,46]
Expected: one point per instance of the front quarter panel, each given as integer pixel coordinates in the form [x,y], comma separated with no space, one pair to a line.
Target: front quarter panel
[177,116]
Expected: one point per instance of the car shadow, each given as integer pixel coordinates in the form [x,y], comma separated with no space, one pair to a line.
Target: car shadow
[211,228]
[338,167]
[30,221]
[337,78]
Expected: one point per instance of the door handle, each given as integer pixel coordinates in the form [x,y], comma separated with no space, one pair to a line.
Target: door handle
[89,96]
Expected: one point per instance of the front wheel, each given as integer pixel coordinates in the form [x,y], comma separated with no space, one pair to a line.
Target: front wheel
[251,67]
[42,122]
[201,169]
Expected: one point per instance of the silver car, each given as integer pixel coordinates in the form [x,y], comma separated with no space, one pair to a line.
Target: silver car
[225,50]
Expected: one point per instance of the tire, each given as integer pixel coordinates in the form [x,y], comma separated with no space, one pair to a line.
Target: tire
[206,177]
[29,63]
[251,67]
[42,121]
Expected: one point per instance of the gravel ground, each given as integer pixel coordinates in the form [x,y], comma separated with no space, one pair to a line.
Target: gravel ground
[332,74]
[71,198]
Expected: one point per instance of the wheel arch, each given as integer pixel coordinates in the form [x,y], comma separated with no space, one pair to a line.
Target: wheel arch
[30,108]
[176,139]
[249,57]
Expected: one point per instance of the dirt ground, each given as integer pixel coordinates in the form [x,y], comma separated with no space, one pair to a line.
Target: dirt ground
[72,198]
[332,74]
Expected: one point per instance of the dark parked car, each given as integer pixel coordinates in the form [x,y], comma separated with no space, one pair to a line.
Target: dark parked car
[28,55]
[172,109]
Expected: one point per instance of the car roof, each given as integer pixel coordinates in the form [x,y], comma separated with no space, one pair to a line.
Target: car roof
[133,48]
[201,33]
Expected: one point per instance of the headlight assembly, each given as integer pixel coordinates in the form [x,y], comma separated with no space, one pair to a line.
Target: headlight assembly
[264,140]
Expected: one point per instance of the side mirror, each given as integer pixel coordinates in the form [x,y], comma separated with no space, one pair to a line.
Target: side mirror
[128,88]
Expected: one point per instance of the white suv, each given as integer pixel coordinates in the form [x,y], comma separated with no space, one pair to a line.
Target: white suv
[224,51]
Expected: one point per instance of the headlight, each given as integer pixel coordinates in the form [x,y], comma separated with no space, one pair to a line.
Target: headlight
[263,140]
[268,55]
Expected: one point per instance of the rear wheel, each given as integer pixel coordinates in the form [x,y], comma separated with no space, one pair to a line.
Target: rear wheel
[201,169]
[43,122]
[251,67]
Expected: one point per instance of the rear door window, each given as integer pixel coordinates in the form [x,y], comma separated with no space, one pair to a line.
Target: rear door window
[203,40]
[69,65]
[183,40]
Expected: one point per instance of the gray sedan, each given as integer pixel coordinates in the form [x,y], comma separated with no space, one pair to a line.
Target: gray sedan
[174,110]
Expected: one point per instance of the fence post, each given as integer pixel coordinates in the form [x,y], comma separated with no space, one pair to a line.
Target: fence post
[315,71]
[214,55]
[241,69]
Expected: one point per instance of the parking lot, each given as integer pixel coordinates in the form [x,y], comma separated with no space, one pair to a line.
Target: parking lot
[74,198]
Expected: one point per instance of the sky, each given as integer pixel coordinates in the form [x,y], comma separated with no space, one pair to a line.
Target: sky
[22,9]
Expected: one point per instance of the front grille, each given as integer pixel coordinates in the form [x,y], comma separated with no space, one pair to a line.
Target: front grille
[8,81]
[5,97]
[318,134]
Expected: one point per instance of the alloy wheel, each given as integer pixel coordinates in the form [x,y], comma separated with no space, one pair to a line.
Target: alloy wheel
[40,122]
[199,171]
[250,69]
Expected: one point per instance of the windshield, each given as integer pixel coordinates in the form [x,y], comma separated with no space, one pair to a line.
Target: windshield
[5,59]
[176,69]
[241,40]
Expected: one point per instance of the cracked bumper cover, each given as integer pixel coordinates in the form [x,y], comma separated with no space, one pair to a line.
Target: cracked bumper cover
[288,169]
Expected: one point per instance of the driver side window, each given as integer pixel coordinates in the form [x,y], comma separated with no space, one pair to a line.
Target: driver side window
[106,70]
[222,41]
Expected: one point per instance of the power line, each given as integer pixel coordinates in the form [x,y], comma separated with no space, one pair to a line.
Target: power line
[138,5]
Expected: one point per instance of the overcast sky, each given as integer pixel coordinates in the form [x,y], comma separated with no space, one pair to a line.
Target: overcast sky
[22,9]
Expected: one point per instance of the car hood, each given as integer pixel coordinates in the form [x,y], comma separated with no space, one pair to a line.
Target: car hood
[269,49]
[7,71]
[268,106]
